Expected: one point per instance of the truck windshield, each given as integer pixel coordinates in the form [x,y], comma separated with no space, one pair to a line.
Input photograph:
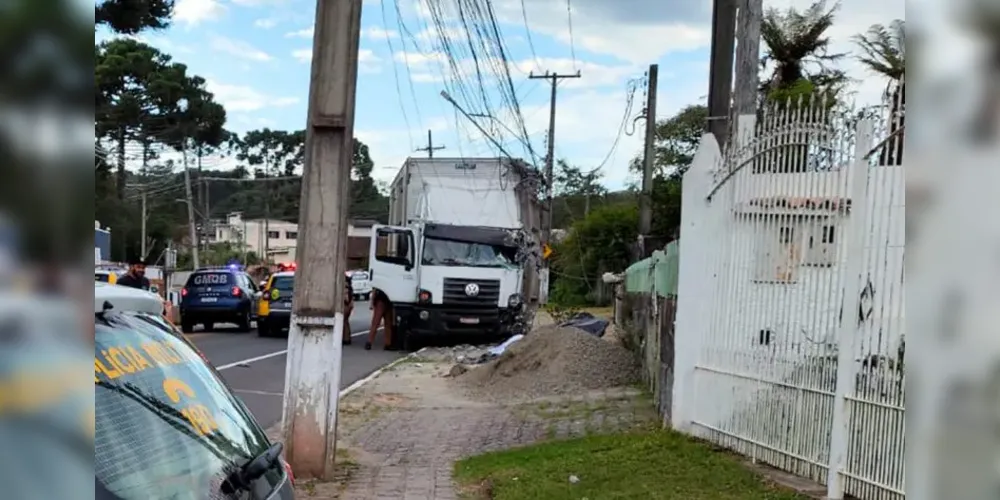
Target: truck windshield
[439,252]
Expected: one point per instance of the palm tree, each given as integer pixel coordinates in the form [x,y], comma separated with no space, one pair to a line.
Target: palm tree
[883,51]
[798,54]
[798,47]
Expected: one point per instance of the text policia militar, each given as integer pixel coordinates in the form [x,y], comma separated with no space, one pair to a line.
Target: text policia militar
[115,362]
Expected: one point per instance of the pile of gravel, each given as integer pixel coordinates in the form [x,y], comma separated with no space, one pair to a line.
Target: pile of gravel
[553,361]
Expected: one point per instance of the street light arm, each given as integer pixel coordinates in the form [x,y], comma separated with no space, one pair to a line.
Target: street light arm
[486,134]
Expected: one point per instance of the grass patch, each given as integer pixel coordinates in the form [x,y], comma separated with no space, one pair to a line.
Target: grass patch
[641,465]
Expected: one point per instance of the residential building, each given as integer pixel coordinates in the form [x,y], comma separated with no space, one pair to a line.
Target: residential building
[279,238]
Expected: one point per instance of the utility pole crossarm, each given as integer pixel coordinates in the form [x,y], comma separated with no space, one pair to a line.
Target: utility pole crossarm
[430,148]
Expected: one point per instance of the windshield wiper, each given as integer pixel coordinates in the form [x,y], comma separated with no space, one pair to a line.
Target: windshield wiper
[241,478]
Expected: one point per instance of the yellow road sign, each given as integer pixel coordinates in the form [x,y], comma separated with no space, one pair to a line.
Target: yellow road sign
[546,251]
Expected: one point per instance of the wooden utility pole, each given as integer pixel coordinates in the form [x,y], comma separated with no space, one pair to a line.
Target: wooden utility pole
[549,161]
[649,155]
[143,242]
[749,18]
[720,78]
[312,373]
[431,148]
[550,156]
[192,229]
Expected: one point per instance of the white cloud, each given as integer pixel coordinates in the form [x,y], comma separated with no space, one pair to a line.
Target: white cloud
[368,62]
[302,33]
[244,98]
[378,33]
[303,55]
[258,3]
[239,49]
[430,66]
[266,23]
[194,12]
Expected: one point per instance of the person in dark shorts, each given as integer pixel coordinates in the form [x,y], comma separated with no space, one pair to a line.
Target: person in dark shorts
[136,275]
[381,312]
[348,309]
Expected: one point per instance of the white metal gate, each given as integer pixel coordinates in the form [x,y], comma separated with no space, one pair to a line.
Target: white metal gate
[792,319]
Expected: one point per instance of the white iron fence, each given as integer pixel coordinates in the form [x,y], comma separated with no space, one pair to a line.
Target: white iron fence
[790,319]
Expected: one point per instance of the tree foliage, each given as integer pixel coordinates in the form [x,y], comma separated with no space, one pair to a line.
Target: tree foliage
[601,241]
[799,48]
[883,49]
[129,17]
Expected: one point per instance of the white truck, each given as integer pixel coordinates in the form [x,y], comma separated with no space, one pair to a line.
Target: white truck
[451,260]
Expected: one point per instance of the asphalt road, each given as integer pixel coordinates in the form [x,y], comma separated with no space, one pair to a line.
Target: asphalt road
[255,367]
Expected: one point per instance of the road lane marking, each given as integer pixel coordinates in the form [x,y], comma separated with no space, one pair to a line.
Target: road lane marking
[261,393]
[270,355]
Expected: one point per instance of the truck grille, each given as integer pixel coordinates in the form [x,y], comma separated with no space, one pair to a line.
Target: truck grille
[454,292]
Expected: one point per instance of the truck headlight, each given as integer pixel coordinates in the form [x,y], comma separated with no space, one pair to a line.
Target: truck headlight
[514,300]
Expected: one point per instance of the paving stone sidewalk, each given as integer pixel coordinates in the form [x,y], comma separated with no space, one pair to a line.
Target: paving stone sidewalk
[401,433]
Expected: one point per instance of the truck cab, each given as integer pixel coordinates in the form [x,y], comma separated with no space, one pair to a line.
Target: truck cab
[448,280]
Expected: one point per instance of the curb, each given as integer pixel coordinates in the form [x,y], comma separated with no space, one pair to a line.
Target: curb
[274,432]
[373,375]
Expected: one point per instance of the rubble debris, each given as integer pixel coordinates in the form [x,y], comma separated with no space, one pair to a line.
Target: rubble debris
[553,361]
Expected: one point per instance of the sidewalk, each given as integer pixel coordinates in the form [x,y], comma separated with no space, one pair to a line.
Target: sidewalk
[401,433]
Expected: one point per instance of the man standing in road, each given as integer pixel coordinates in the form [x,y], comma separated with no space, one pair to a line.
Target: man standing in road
[136,275]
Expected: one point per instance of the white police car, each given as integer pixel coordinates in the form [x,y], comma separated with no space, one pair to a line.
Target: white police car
[165,421]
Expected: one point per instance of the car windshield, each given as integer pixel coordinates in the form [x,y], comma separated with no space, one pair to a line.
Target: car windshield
[283,283]
[166,426]
[438,252]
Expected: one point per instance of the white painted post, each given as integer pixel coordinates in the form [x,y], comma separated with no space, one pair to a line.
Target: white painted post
[847,366]
[694,280]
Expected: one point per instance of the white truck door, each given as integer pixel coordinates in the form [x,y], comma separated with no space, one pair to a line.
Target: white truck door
[392,257]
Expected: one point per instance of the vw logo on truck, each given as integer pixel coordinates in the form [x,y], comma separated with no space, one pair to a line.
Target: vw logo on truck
[472,289]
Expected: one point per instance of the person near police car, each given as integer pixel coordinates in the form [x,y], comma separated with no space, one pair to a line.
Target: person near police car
[136,276]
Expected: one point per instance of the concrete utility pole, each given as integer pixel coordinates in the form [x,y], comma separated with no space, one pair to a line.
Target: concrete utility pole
[192,230]
[431,148]
[549,162]
[649,155]
[720,77]
[751,14]
[312,372]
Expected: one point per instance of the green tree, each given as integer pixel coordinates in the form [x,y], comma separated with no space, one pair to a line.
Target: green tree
[124,73]
[883,52]
[602,241]
[573,183]
[132,16]
[366,199]
[799,48]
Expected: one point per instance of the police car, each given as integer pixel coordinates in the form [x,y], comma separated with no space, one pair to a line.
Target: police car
[274,310]
[165,422]
[219,295]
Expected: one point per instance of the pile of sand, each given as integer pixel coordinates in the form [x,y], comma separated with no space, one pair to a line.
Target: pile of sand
[553,361]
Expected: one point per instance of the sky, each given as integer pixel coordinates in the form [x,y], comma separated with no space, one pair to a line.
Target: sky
[256,54]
